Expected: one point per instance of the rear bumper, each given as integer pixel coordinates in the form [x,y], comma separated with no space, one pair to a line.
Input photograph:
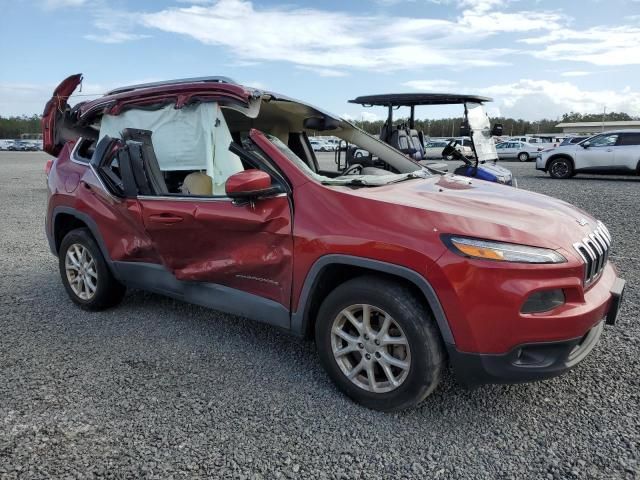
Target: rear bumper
[525,363]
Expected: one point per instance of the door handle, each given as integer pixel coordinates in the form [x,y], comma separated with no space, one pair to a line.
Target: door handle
[166,218]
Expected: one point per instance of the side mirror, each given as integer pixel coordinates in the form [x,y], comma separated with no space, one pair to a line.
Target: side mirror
[585,144]
[497,129]
[249,184]
[464,129]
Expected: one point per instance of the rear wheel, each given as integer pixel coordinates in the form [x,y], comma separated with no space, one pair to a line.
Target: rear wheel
[561,168]
[523,156]
[379,344]
[85,274]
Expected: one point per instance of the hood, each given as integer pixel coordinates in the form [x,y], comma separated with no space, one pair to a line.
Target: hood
[496,170]
[465,206]
[561,148]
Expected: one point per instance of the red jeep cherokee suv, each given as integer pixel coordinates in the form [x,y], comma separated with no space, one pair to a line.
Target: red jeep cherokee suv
[210,192]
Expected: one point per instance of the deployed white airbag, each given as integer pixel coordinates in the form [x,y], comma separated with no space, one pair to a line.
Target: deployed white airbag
[194,137]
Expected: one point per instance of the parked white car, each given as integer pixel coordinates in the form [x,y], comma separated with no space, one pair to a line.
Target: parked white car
[464,147]
[616,152]
[536,140]
[7,144]
[321,145]
[522,151]
[433,149]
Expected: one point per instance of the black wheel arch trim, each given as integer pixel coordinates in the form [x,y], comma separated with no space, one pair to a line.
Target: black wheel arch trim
[300,320]
[88,221]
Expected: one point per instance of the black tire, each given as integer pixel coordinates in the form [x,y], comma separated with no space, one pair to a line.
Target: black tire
[560,168]
[523,156]
[108,292]
[427,354]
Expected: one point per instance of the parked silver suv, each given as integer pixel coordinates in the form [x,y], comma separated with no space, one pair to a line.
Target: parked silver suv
[615,152]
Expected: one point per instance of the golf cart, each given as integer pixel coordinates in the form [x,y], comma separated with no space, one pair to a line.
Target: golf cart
[410,141]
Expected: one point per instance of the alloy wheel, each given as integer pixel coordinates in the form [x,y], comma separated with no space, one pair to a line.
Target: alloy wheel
[560,169]
[81,270]
[370,348]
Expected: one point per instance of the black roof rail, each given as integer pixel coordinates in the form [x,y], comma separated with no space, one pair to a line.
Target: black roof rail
[216,79]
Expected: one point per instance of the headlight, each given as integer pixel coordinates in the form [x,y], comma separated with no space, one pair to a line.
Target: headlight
[501,252]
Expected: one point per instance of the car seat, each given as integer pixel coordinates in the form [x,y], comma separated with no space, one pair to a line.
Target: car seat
[148,159]
[197,183]
[400,140]
[414,136]
[384,132]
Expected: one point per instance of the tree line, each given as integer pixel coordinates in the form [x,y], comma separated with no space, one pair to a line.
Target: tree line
[450,127]
[13,127]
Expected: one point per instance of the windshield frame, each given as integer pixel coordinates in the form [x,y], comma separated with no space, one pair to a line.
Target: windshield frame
[348,180]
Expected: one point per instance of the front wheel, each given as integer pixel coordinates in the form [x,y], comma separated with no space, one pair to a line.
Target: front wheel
[379,344]
[561,168]
[85,273]
[523,156]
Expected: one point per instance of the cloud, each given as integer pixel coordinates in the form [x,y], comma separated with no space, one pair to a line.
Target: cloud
[115,37]
[335,40]
[54,4]
[533,99]
[256,84]
[480,5]
[28,99]
[601,45]
[362,116]
[576,73]
[431,85]
[115,26]
[323,72]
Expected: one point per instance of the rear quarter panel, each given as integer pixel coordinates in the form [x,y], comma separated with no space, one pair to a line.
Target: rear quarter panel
[74,186]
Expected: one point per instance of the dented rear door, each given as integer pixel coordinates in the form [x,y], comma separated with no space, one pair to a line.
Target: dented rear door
[246,247]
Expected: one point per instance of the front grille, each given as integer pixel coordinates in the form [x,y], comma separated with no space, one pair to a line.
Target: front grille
[594,250]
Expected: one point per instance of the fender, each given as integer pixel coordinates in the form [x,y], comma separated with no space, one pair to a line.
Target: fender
[300,320]
[88,221]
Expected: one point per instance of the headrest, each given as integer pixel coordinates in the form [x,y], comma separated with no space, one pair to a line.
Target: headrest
[197,183]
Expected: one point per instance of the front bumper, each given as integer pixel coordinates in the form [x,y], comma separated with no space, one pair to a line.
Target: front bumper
[541,163]
[533,361]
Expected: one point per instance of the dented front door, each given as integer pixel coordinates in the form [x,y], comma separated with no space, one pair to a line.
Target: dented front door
[246,247]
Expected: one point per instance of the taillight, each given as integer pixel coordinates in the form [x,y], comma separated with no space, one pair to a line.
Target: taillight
[47,166]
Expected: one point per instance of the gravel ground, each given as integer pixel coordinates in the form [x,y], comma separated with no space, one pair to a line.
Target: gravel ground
[158,388]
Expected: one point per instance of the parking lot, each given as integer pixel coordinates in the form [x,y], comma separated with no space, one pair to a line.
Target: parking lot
[159,388]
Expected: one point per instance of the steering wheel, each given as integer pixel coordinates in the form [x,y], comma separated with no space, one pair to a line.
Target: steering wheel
[355,169]
[450,152]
